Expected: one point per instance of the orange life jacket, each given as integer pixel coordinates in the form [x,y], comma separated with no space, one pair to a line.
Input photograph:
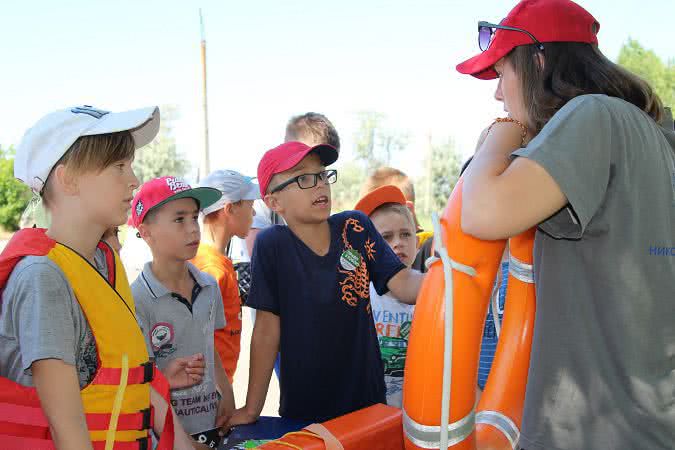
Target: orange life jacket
[117,400]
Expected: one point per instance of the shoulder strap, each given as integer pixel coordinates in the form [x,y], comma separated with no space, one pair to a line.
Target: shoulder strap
[25,242]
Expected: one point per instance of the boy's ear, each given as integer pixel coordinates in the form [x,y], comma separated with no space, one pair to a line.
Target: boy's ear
[65,179]
[144,231]
[227,208]
[272,202]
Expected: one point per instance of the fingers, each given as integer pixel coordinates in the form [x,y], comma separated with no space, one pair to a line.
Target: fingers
[196,362]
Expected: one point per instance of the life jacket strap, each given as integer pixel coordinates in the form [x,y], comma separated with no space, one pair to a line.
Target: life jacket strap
[25,443]
[161,385]
[137,375]
[34,416]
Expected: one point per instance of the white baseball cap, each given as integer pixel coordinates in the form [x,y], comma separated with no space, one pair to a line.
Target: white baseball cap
[50,138]
[233,185]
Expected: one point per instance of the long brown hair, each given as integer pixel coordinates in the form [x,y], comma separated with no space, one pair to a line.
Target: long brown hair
[571,69]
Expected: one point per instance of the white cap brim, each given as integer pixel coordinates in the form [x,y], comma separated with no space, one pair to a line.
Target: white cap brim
[143,124]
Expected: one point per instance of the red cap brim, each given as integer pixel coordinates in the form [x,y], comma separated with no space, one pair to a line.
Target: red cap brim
[482,65]
[327,153]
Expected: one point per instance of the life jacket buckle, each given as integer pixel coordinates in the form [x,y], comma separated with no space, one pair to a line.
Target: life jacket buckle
[146,423]
[143,443]
[148,371]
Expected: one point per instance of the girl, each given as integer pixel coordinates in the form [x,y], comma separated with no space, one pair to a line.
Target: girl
[583,157]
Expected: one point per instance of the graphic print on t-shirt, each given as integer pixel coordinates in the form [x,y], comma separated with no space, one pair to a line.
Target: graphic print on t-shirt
[161,337]
[354,285]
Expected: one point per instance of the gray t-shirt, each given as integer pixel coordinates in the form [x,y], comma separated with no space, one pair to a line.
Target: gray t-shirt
[602,371]
[173,328]
[41,319]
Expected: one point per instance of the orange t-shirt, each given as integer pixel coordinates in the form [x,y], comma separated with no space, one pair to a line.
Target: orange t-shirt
[227,340]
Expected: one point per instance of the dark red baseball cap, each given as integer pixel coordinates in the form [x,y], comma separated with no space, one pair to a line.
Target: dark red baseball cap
[288,155]
[546,20]
[160,191]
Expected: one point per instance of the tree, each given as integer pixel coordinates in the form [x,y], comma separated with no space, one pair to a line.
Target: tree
[345,191]
[14,195]
[161,157]
[443,164]
[646,64]
[374,142]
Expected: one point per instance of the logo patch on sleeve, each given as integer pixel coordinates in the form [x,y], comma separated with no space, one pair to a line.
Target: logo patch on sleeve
[161,338]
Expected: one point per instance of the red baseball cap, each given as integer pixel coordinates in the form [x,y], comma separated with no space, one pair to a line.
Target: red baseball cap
[546,20]
[288,155]
[160,191]
[380,196]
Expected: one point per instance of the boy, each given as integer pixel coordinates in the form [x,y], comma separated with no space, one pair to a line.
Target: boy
[310,287]
[179,307]
[231,216]
[384,176]
[386,207]
[65,297]
[311,129]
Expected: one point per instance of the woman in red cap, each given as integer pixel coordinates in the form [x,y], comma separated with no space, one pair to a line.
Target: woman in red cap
[583,157]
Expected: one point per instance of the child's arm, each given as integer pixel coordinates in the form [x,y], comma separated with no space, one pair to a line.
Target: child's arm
[185,372]
[405,285]
[181,440]
[226,405]
[58,387]
[264,349]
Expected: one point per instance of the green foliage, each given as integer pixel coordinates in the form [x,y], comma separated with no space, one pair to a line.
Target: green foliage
[14,195]
[442,172]
[345,191]
[374,142]
[646,64]
[161,157]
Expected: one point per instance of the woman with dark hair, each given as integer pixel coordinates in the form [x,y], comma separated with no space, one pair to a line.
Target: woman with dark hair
[582,157]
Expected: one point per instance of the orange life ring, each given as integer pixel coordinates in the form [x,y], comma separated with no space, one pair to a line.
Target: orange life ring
[423,380]
[500,408]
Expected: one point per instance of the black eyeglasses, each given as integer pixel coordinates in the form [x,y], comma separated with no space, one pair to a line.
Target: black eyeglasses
[309,180]
[486,31]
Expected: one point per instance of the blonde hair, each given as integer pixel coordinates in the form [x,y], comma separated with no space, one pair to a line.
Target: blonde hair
[388,175]
[313,127]
[93,153]
[398,209]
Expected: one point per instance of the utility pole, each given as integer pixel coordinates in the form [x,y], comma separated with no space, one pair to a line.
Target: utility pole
[204,169]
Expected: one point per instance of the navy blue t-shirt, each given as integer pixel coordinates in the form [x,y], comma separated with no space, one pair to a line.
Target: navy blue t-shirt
[330,357]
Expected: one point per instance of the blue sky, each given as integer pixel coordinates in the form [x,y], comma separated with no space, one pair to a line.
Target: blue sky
[268,60]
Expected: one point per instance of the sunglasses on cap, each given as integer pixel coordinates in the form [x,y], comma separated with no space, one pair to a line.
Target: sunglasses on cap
[486,32]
